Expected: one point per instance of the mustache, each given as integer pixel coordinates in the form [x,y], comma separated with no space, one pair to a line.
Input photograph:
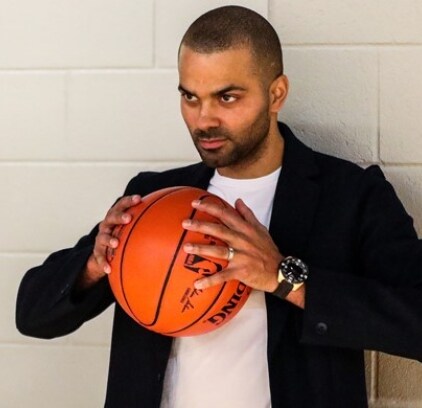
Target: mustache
[212,133]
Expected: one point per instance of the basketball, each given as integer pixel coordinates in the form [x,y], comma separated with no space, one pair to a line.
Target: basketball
[152,277]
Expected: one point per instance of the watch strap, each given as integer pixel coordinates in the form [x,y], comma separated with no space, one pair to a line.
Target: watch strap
[283,289]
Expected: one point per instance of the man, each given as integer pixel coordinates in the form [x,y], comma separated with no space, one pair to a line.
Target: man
[331,254]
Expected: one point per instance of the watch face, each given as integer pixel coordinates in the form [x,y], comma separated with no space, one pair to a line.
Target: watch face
[294,270]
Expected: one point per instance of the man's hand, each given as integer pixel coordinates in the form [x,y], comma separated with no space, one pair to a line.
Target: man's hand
[255,258]
[97,266]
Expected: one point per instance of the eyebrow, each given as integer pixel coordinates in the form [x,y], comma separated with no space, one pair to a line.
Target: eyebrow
[219,92]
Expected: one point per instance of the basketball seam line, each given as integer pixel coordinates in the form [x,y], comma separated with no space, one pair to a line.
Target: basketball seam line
[124,247]
[170,269]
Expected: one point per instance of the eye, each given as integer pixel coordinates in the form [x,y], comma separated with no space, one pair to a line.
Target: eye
[189,97]
[226,98]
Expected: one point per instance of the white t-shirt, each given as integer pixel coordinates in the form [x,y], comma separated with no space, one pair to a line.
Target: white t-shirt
[227,368]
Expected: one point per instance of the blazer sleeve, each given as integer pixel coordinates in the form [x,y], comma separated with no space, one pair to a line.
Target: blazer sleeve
[47,305]
[380,306]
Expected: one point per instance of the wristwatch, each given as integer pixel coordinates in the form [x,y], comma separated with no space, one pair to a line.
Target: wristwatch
[292,274]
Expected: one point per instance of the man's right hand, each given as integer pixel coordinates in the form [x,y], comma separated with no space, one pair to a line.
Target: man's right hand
[97,266]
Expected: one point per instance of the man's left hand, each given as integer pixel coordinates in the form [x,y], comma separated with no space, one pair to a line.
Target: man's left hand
[256,257]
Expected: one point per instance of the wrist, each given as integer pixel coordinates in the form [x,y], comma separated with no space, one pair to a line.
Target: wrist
[297,297]
[274,280]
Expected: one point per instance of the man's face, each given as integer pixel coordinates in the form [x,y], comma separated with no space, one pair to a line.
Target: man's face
[225,106]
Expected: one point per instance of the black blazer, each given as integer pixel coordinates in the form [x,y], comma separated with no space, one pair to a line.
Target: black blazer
[364,289]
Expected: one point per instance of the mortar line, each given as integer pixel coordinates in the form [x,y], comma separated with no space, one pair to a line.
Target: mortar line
[154,34]
[374,377]
[379,105]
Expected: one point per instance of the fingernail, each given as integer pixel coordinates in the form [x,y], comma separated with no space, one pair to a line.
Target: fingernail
[199,284]
[107,269]
[195,203]
[136,198]
[113,243]
[188,247]
[186,223]
[126,217]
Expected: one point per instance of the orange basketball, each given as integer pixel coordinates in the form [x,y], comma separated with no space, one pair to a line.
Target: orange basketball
[152,277]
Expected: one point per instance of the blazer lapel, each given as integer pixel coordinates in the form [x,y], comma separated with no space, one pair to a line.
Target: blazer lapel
[295,202]
[201,178]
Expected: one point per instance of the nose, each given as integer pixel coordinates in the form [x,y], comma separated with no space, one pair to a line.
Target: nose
[208,117]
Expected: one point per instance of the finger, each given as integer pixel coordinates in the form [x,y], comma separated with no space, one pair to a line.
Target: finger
[103,251]
[105,266]
[102,262]
[114,218]
[215,251]
[215,279]
[117,214]
[122,205]
[223,212]
[246,212]
[105,240]
[126,202]
[213,229]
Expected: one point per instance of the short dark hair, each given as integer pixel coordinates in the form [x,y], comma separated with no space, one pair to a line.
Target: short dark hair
[231,27]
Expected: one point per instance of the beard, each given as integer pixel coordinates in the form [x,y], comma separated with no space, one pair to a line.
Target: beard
[240,148]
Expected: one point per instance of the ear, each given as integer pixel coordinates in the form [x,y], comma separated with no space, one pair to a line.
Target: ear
[278,93]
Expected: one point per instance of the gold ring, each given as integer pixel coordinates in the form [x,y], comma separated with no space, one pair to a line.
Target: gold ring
[230,254]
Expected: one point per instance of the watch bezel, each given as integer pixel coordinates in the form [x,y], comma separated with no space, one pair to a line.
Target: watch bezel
[290,273]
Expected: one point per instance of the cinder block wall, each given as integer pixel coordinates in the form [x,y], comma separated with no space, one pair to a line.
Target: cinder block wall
[88,98]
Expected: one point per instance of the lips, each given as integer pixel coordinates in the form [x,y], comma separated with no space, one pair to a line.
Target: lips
[211,144]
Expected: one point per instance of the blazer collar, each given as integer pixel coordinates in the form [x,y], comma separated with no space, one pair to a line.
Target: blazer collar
[298,158]
[295,197]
